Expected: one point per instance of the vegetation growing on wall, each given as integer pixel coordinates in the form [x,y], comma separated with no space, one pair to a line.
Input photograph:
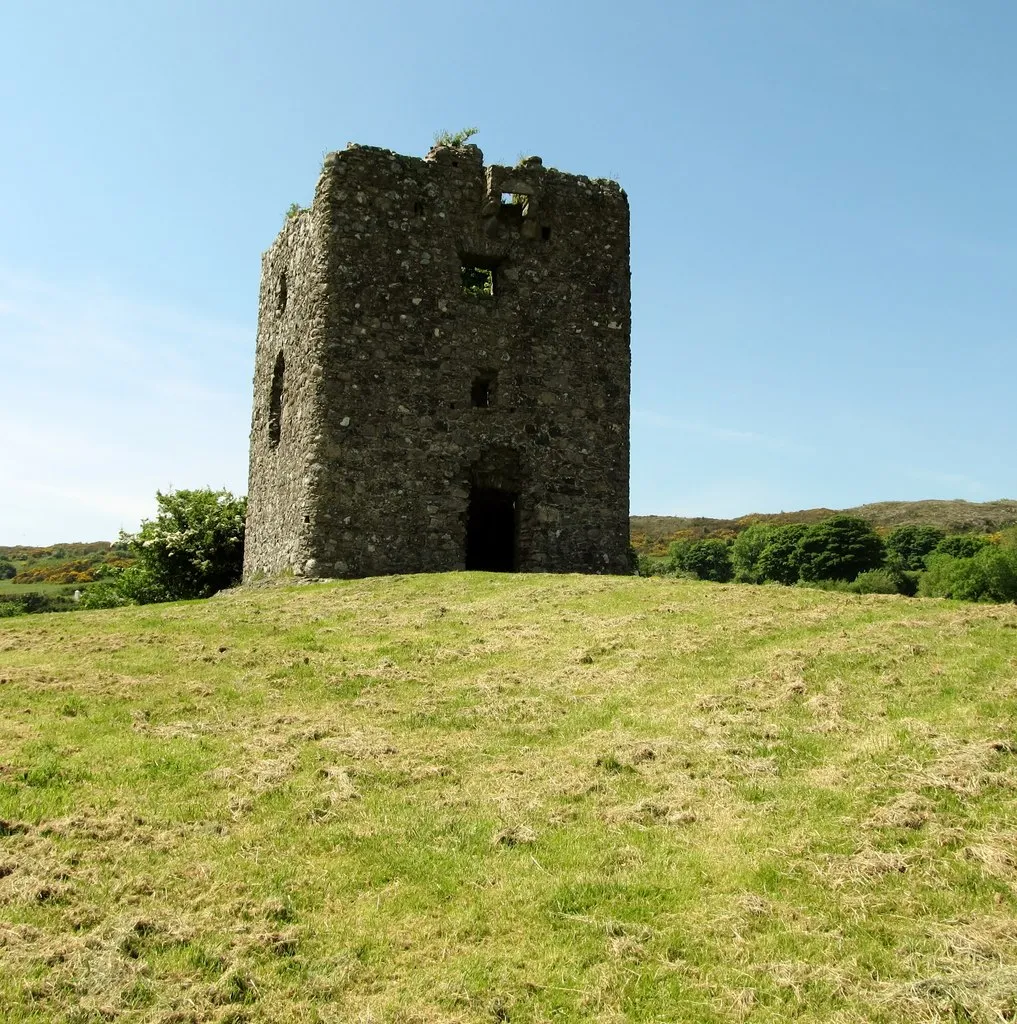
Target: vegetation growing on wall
[459,138]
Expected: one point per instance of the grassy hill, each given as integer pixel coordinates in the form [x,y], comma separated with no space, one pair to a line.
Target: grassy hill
[652,534]
[473,797]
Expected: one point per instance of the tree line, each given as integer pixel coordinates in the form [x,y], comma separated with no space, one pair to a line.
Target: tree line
[844,552]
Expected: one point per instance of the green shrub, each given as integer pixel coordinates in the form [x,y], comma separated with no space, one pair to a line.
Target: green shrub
[998,569]
[707,559]
[907,546]
[839,548]
[8,609]
[677,574]
[779,560]
[650,566]
[102,594]
[990,575]
[907,582]
[139,585]
[193,548]
[7,570]
[936,580]
[746,550]
[876,581]
[961,545]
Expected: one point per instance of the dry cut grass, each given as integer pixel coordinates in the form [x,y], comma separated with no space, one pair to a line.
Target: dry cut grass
[487,798]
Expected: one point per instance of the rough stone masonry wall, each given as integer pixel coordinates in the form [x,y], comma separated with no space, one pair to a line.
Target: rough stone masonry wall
[291,318]
[382,443]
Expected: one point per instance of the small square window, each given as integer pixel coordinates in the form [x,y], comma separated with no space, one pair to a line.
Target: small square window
[516,199]
[479,276]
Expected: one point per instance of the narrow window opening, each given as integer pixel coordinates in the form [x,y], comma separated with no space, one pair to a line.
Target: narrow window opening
[275,402]
[482,391]
[418,209]
[280,295]
[479,276]
[492,530]
[545,234]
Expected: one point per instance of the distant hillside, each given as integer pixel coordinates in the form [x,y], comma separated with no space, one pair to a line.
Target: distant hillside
[652,534]
[953,516]
[57,552]
[45,569]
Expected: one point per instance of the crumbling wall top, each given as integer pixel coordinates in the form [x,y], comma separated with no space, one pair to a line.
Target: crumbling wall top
[527,169]
[456,155]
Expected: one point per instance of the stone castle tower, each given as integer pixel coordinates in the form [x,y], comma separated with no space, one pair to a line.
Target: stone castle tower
[442,372]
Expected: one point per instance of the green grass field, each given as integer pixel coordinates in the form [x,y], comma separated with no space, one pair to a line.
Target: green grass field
[472,797]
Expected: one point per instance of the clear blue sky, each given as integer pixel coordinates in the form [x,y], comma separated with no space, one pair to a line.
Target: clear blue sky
[824,228]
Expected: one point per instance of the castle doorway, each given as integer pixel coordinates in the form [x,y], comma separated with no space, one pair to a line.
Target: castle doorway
[492,530]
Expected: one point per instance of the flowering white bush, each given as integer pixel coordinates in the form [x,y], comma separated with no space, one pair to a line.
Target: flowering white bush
[195,545]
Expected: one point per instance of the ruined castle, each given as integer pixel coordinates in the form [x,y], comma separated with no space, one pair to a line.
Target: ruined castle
[442,372]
